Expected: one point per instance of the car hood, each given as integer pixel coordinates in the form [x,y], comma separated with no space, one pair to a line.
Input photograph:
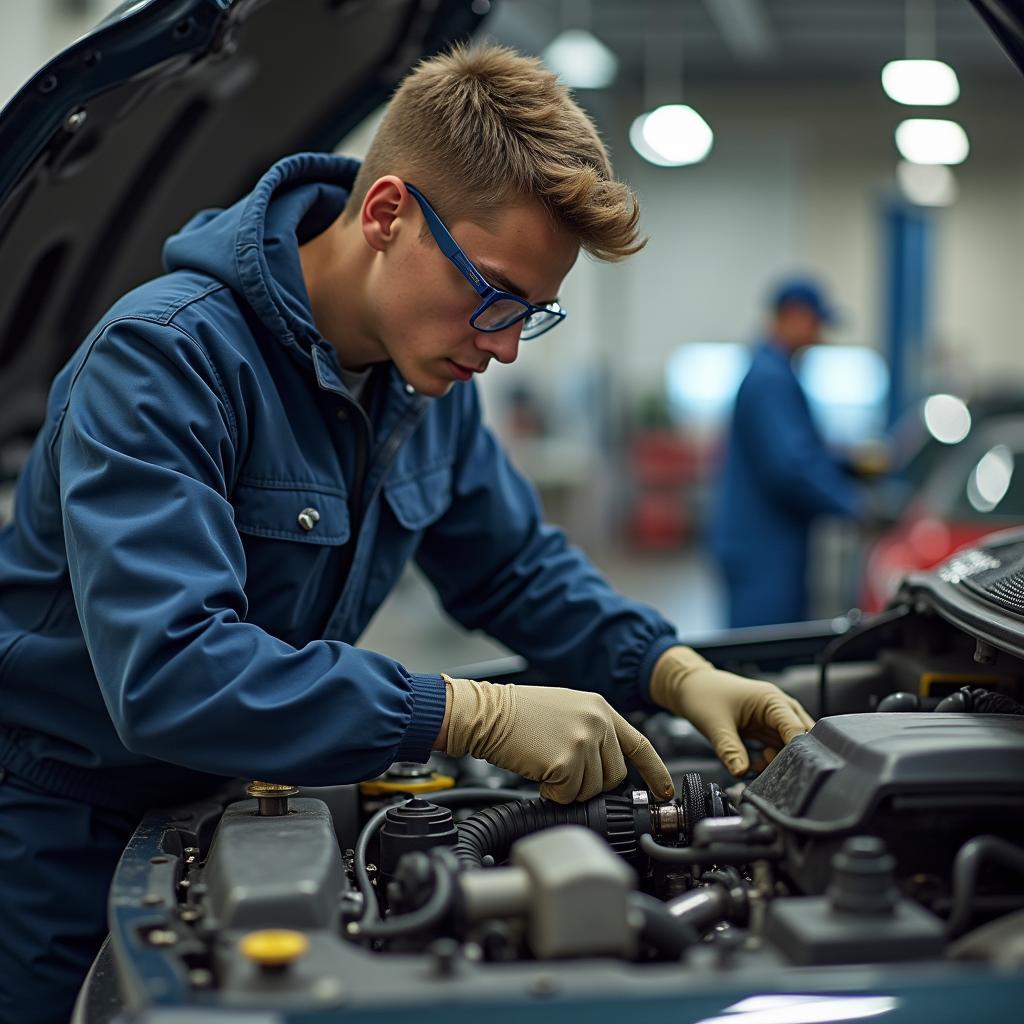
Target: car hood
[166,108]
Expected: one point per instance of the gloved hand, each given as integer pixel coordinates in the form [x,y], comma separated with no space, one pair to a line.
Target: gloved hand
[724,706]
[572,742]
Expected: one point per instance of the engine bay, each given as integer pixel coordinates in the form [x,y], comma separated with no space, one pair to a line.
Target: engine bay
[884,848]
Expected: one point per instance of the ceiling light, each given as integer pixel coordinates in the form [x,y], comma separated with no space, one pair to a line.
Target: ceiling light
[991,479]
[927,184]
[924,140]
[947,418]
[672,136]
[920,83]
[581,60]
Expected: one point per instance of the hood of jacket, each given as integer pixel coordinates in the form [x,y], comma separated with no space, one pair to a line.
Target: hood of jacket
[253,246]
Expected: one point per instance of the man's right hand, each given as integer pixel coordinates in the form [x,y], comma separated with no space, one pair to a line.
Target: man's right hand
[570,741]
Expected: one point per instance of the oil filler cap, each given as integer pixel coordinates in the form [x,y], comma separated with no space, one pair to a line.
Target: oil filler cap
[273,949]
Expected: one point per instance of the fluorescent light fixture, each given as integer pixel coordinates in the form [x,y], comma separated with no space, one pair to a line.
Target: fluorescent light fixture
[947,418]
[581,60]
[927,184]
[923,140]
[920,83]
[991,478]
[672,136]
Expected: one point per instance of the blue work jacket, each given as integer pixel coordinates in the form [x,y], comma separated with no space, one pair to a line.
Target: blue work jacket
[778,475]
[208,520]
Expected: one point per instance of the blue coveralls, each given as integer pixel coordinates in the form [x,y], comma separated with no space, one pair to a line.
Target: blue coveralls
[778,475]
[169,617]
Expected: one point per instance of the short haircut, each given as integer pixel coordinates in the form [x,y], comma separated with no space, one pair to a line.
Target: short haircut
[480,129]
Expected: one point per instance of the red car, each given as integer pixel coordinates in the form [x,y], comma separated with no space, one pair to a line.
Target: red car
[969,487]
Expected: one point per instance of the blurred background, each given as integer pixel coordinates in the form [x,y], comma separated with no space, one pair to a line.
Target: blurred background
[763,144]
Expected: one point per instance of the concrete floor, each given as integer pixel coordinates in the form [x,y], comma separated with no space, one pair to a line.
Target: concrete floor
[412,628]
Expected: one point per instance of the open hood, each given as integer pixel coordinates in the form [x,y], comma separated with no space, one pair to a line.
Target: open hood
[167,107]
[1006,19]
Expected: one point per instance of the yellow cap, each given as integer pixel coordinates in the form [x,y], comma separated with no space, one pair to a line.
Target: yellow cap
[273,947]
[384,786]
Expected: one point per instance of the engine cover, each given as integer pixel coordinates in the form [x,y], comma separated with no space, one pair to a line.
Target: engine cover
[923,782]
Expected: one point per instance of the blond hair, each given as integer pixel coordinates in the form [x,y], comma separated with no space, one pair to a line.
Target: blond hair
[477,130]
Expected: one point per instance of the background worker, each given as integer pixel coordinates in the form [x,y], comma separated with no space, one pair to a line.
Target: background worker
[778,474]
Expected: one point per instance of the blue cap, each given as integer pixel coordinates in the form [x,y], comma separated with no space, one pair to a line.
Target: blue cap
[804,291]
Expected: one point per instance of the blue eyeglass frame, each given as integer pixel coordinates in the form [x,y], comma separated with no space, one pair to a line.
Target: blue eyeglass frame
[489,295]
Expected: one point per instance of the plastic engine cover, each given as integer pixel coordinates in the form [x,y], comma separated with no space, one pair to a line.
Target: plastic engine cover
[923,782]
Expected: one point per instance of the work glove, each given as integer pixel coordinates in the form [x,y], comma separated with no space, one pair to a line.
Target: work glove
[725,707]
[570,741]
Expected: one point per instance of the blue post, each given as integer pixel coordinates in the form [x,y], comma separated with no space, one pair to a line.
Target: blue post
[907,267]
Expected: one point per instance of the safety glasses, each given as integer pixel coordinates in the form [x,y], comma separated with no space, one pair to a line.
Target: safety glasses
[498,309]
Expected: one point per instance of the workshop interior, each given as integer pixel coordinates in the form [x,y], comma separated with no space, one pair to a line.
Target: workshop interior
[874,867]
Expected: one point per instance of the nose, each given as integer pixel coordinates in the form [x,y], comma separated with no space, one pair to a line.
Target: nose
[502,345]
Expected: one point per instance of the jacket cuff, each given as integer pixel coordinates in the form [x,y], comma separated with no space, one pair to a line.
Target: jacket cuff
[654,652]
[428,704]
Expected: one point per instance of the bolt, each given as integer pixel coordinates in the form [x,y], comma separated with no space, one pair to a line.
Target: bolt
[162,937]
[200,977]
[444,953]
[75,120]
[151,899]
[190,914]
[984,654]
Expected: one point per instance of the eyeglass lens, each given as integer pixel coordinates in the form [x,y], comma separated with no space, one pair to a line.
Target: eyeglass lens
[500,314]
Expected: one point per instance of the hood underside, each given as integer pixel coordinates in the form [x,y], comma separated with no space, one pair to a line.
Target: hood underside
[167,107]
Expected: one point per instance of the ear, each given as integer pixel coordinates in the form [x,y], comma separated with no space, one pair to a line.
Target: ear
[386,201]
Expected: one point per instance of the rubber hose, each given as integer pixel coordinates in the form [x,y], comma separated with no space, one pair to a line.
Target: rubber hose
[967,866]
[669,935]
[700,907]
[717,853]
[436,907]
[987,702]
[493,830]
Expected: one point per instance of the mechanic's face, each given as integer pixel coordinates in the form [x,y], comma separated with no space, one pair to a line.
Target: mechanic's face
[797,326]
[422,303]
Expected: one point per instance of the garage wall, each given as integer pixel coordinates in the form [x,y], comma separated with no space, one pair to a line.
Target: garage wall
[797,179]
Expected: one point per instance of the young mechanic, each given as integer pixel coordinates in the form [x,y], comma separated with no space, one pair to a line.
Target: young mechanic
[241,458]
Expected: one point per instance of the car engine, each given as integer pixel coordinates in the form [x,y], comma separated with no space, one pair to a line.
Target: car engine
[889,838]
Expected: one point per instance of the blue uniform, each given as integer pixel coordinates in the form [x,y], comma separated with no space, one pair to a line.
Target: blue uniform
[206,524]
[777,477]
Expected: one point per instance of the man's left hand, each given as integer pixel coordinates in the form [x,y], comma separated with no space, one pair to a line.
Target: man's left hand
[725,707]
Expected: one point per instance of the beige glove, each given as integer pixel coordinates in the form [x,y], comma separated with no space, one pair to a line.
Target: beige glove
[572,742]
[724,706]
